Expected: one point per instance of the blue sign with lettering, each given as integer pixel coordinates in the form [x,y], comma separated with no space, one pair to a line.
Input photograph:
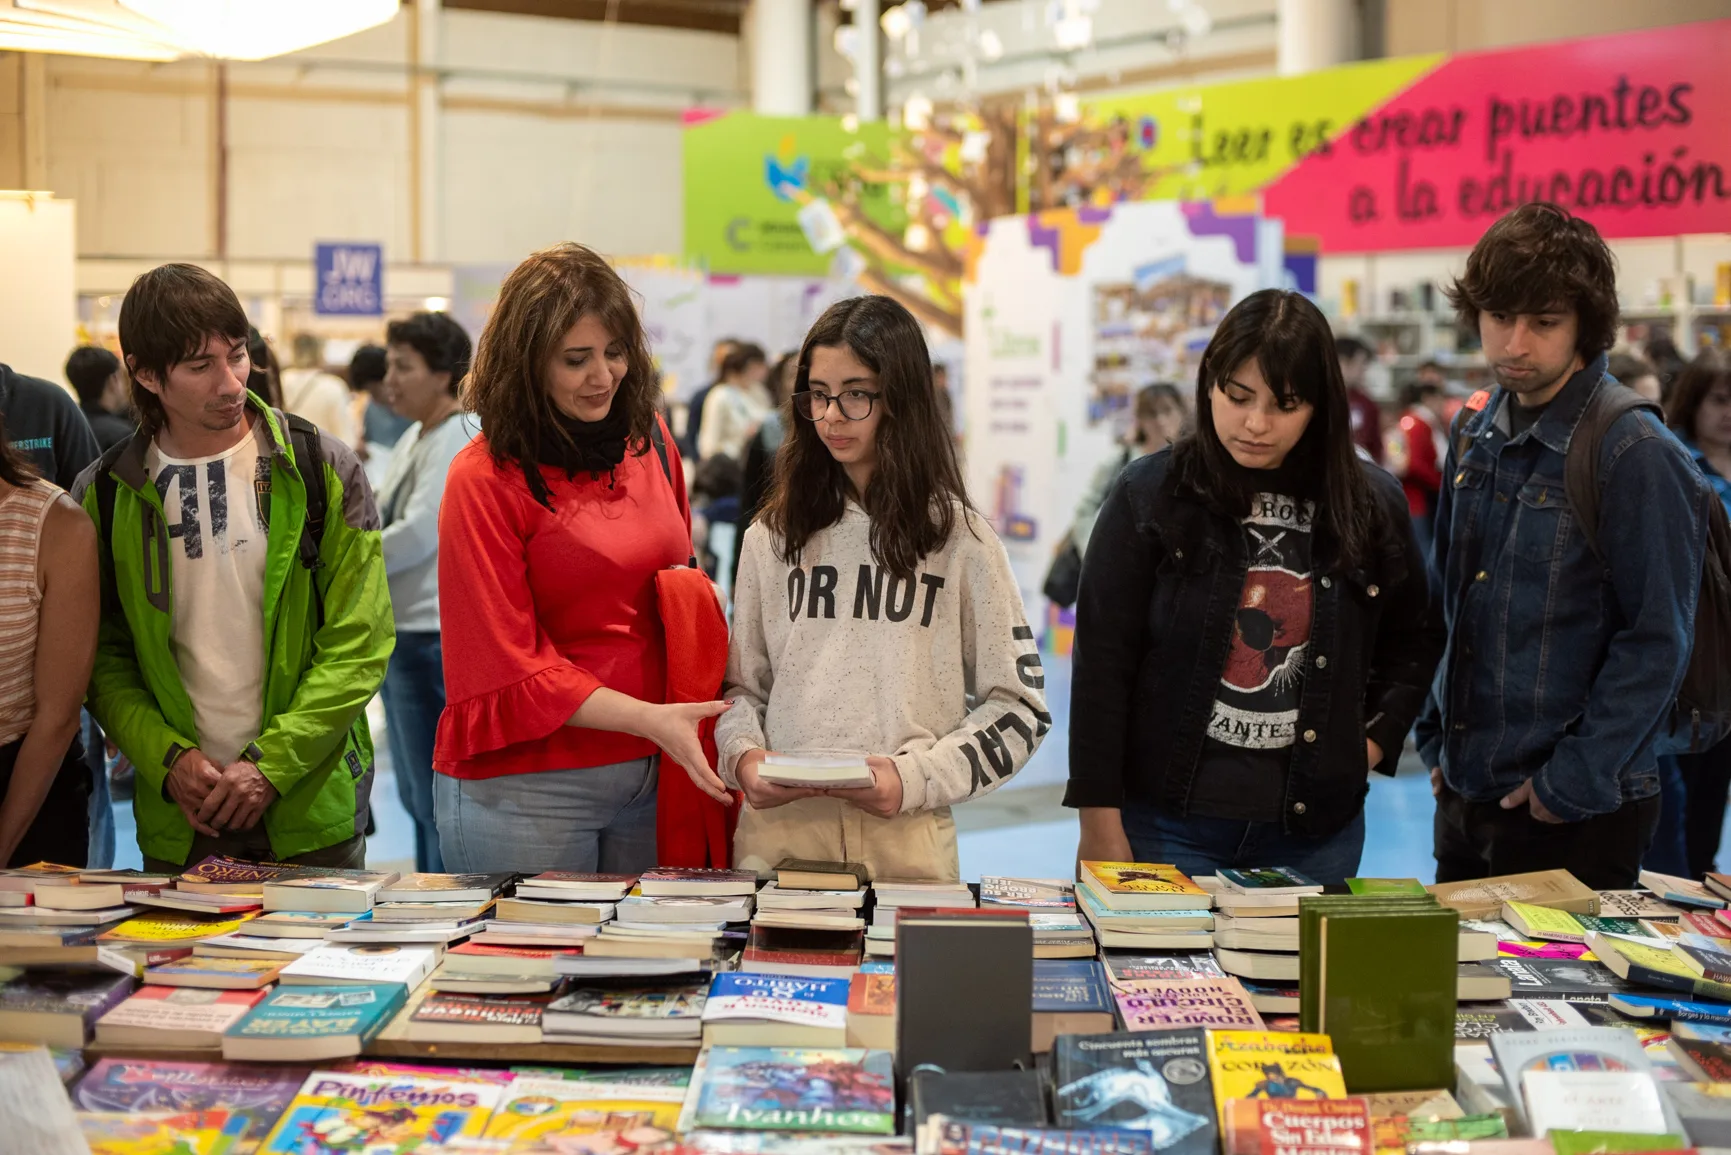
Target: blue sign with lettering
[351,280]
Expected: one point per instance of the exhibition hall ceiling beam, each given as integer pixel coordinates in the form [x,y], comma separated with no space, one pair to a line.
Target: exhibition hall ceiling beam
[696,15]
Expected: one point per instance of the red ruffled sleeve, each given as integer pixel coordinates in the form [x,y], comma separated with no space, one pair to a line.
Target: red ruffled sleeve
[505,681]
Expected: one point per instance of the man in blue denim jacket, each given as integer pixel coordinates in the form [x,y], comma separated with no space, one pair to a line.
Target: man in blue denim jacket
[1560,671]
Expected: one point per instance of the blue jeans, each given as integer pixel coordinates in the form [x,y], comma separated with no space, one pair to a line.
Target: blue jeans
[414,698]
[598,818]
[1669,853]
[101,855]
[1198,845]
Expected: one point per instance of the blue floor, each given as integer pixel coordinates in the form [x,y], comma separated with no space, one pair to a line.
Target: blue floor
[1039,843]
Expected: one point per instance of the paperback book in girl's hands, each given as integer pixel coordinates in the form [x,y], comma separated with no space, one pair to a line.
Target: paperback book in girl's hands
[815,771]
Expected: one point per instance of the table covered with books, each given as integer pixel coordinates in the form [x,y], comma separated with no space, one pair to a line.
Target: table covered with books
[244,1007]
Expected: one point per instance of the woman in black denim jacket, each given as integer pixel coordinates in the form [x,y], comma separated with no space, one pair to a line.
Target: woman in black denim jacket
[1255,631]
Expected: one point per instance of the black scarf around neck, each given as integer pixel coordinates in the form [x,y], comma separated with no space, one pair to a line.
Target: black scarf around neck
[594,447]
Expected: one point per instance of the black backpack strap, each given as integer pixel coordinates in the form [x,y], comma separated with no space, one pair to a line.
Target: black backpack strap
[659,440]
[310,461]
[1608,404]
[102,479]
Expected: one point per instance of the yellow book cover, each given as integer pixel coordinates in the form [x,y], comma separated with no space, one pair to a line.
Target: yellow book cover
[1142,878]
[379,1115]
[160,1132]
[173,928]
[1543,922]
[1273,1065]
[1653,957]
[586,1116]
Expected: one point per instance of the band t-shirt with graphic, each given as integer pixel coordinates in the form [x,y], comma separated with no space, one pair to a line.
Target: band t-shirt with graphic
[218,515]
[1242,771]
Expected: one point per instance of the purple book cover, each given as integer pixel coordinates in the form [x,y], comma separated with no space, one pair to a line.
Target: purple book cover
[259,1092]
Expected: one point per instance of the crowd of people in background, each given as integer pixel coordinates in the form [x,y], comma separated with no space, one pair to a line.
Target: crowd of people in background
[221,562]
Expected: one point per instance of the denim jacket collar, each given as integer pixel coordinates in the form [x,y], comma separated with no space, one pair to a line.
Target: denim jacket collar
[1556,426]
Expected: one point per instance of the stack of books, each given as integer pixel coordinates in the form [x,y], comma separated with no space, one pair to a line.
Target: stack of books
[660,1013]
[424,908]
[554,916]
[1060,932]
[1144,906]
[808,920]
[456,1017]
[479,969]
[813,895]
[775,1010]
[889,895]
[1258,942]
[58,1008]
[1372,961]
[677,915]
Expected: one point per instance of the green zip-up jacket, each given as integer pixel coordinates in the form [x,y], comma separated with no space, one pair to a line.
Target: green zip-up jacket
[314,748]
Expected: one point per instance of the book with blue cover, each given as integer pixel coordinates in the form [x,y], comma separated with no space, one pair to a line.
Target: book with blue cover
[792,1089]
[1269,880]
[310,1023]
[1638,1006]
[775,1010]
[1070,985]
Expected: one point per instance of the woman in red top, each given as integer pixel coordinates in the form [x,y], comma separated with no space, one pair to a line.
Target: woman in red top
[554,523]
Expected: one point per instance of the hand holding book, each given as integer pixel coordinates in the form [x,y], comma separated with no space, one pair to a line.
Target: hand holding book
[762,793]
[883,798]
[769,779]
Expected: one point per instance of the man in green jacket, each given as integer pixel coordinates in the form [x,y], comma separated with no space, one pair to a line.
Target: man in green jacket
[240,643]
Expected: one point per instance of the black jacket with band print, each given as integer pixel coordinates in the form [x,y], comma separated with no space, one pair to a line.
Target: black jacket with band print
[1155,623]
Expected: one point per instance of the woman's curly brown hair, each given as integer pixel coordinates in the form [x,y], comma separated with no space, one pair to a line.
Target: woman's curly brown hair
[538,304]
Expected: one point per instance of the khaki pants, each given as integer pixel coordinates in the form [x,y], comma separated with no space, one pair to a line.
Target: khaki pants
[921,844]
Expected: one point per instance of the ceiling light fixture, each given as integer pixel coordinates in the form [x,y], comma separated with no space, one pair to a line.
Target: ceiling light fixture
[171,29]
[257,29]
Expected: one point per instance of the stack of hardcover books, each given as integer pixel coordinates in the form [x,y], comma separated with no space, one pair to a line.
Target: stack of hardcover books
[1145,906]
[555,911]
[425,908]
[666,1012]
[675,916]
[1060,932]
[890,895]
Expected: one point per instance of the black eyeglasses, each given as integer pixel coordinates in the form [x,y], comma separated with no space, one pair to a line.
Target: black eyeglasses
[856,404]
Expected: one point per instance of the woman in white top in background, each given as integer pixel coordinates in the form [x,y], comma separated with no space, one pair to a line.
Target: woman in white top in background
[736,405]
[875,613]
[49,611]
[426,358]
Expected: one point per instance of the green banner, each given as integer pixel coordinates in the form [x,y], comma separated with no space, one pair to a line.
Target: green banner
[748,178]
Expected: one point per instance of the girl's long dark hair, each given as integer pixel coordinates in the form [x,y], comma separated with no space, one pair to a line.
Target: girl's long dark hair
[917,489]
[1290,341]
[15,468]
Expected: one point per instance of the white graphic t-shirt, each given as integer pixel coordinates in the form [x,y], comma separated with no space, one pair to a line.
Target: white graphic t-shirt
[1242,772]
[218,514]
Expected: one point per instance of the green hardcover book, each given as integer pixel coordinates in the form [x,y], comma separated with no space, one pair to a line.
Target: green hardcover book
[1605,1142]
[1385,886]
[1310,912]
[1386,994]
